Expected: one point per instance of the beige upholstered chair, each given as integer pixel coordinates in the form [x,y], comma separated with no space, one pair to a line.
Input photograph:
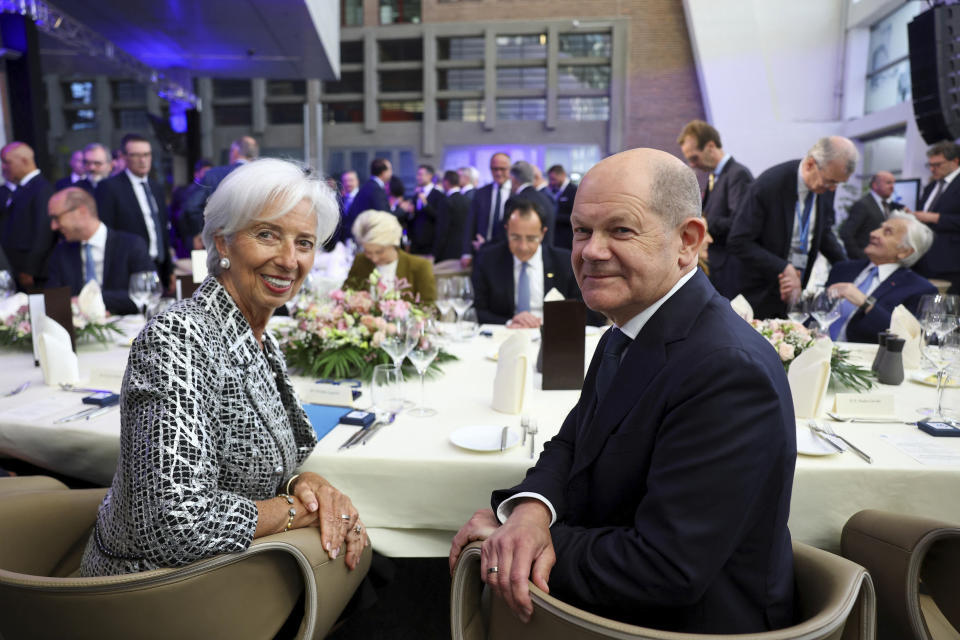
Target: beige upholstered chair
[835,600]
[915,564]
[243,595]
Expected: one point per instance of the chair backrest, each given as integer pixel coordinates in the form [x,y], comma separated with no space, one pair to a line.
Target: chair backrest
[835,599]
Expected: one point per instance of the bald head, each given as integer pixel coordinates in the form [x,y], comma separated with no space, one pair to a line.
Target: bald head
[73,212]
[18,161]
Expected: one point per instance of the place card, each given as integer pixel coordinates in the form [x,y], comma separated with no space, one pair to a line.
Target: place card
[864,405]
[310,392]
[106,379]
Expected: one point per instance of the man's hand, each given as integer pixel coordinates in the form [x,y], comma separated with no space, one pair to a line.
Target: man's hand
[478,242]
[524,320]
[479,527]
[521,550]
[466,261]
[849,291]
[928,217]
[789,283]
[25,280]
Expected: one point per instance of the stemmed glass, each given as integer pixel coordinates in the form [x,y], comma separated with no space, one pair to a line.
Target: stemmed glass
[798,309]
[144,290]
[825,309]
[398,344]
[7,286]
[940,340]
[462,296]
[425,349]
[445,291]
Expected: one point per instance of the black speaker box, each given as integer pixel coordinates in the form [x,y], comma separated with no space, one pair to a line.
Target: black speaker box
[934,38]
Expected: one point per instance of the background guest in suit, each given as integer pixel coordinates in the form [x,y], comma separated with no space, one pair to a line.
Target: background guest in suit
[521,180]
[727,184]
[874,286]
[786,220]
[349,187]
[131,201]
[645,507]
[486,210]
[427,204]
[96,162]
[77,172]
[372,195]
[183,232]
[562,191]
[117,162]
[242,150]
[400,206]
[941,212]
[510,278]
[448,244]
[26,236]
[469,179]
[91,251]
[867,214]
[378,235]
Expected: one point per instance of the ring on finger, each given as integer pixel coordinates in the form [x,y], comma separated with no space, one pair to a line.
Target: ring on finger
[345,517]
[358,529]
[493,569]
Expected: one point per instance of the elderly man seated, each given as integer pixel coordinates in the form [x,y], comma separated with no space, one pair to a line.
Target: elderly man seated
[873,287]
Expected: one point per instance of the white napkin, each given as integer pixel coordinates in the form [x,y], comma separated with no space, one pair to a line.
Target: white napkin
[906,326]
[11,304]
[198,260]
[809,376]
[510,382]
[553,295]
[90,303]
[742,307]
[57,359]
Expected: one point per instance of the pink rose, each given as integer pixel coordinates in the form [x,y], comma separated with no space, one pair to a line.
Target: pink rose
[369,322]
[786,351]
[337,295]
[377,339]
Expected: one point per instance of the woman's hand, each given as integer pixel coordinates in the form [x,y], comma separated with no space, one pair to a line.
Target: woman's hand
[336,516]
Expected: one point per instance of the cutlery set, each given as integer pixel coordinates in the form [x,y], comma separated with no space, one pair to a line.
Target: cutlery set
[365,434]
[826,433]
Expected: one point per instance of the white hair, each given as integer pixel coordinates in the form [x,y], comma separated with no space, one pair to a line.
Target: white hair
[833,148]
[918,237]
[472,174]
[377,227]
[266,185]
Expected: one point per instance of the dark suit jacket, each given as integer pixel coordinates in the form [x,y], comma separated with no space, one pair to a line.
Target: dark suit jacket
[191,217]
[672,497]
[761,233]
[902,287]
[423,226]
[4,263]
[480,217]
[417,271]
[493,289]
[25,233]
[943,258]
[120,210]
[448,240]
[563,233]
[864,216]
[547,208]
[124,254]
[370,196]
[720,207]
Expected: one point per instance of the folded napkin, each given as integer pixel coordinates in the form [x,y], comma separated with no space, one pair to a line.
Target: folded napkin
[57,359]
[10,305]
[906,326]
[198,260]
[90,303]
[809,376]
[742,307]
[510,382]
[553,296]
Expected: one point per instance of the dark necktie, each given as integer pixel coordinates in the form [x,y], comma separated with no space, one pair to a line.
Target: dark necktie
[155,215]
[90,270]
[495,217]
[936,196]
[886,209]
[616,342]
[523,289]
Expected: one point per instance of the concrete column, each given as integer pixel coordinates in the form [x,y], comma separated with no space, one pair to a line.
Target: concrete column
[553,48]
[259,105]
[205,93]
[429,125]
[618,87]
[104,93]
[58,124]
[490,79]
[313,126]
[371,110]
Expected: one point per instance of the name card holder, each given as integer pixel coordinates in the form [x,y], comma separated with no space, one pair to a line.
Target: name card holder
[564,323]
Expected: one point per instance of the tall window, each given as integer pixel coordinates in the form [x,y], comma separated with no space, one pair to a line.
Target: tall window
[351,13]
[888,65]
[522,47]
[398,11]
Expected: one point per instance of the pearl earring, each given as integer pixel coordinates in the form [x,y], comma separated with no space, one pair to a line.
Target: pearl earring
[224,263]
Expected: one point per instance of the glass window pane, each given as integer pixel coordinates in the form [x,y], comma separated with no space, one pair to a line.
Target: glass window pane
[401,110]
[397,11]
[885,153]
[79,119]
[343,111]
[460,110]
[401,50]
[522,47]
[79,92]
[125,119]
[232,115]
[521,77]
[469,48]
[579,77]
[587,108]
[584,45]
[230,88]
[351,51]
[888,38]
[350,82]
[126,91]
[460,79]
[286,113]
[405,80]
[286,88]
[351,12]
[521,108]
[889,87]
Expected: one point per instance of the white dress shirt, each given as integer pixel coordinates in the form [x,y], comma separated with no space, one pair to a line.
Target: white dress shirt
[138,191]
[388,272]
[98,247]
[631,328]
[933,194]
[27,178]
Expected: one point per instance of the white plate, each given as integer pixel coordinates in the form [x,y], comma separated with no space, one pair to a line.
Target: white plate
[809,444]
[930,379]
[483,437]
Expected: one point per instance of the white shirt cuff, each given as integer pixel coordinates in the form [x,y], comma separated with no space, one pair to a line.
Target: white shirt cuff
[506,507]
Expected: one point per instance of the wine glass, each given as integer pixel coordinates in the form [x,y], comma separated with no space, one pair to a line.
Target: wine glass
[825,309]
[444,296]
[385,389]
[469,325]
[940,340]
[144,288]
[462,295]
[798,309]
[425,349]
[7,285]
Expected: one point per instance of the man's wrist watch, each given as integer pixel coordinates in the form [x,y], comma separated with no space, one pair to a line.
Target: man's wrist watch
[867,305]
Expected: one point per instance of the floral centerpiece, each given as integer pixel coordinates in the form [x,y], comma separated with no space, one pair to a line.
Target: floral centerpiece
[790,338]
[90,320]
[339,335]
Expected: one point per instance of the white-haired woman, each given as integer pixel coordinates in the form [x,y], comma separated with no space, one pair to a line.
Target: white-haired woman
[378,234]
[211,428]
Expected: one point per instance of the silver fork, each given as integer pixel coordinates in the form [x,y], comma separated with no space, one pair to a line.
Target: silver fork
[375,428]
[838,418]
[14,392]
[860,452]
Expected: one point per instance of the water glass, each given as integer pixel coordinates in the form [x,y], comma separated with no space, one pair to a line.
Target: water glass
[462,295]
[825,309]
[386,389]
[445,292]
[798,309]
[469,325]
[939,317]
[425,349]
[144,289]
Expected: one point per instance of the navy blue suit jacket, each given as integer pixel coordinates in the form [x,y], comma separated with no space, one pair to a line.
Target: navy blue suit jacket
[120,210]
[480,217]
[720,207]
[25,233]
[943,258]
[191,221]
[448,238]
[672,496]
[423,226]
[124,254]
[493,290]
[563,233]
[370,196]
[761,233]
[902,287]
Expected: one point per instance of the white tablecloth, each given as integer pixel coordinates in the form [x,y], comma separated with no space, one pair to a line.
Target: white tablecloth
[414,488]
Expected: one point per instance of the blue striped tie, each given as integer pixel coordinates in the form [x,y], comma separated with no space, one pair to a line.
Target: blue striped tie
[846,307]
[90,269]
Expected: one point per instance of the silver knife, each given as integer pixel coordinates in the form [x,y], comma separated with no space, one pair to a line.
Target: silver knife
[355,438]
[100,411]
[503,438]
[80,415]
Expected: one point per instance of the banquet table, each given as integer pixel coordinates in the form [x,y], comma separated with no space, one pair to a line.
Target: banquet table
[414,487]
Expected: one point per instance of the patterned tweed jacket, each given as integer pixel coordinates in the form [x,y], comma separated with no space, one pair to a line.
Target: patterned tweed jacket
[209,423]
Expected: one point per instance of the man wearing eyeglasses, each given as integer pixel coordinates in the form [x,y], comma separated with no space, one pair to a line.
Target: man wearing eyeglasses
[485,223]
[786,220]
[941,212]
